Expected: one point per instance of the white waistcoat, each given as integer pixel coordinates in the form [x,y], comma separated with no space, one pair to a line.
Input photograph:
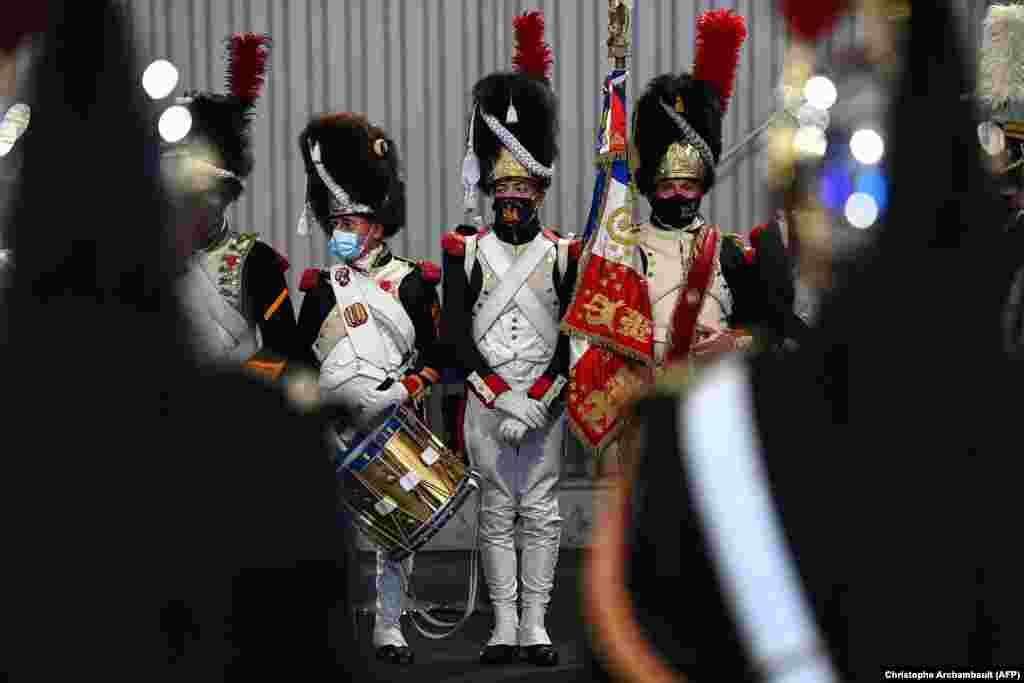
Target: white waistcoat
[211,293]
[514,345]
[668,267]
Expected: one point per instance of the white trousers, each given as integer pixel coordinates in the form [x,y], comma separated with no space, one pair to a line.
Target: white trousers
[517,483]
[391,599]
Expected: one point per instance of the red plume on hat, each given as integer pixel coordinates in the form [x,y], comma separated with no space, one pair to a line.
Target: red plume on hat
[247,66]
[720,34]
[812,19]
[533,56]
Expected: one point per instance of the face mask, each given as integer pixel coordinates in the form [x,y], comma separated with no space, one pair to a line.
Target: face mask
[346,245]
[676,211]
[523,206]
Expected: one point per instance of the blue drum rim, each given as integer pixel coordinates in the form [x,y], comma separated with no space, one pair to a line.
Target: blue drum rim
[357,450]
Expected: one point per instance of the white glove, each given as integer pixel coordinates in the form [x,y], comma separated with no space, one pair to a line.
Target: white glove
[512,431]
[373,404]
[523,408]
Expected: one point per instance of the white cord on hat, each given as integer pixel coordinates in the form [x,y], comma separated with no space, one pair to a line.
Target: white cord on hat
[518,151]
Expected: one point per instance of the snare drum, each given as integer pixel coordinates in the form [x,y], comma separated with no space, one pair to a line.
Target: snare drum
[401,484]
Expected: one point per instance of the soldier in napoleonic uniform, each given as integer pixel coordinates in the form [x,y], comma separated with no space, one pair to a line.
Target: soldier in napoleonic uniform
[368,323]
[707,292]
[506,289]
[233,286]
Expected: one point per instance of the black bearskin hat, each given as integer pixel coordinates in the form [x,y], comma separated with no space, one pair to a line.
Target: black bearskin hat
[536,129]
[521,100]
[221,123]
[699,98]
[363,160]
[654,131]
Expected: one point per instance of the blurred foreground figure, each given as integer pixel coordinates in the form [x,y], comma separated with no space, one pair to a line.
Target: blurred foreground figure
[871,537]
[151,533]
[233,285]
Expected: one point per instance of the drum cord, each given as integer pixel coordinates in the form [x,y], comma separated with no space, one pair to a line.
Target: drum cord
[450,627]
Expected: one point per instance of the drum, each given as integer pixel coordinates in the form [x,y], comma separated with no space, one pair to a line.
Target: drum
[401,484]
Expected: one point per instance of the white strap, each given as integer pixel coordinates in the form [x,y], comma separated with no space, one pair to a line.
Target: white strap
[470,258]
[563,258]
[229,319]
[721,450]
[389,311]
[512,277]
[352,307]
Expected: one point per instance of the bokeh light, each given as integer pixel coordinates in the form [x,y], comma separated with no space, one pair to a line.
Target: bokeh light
[175,123]
[861,210]
[159,79]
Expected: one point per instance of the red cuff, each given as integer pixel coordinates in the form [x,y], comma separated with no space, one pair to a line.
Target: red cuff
[497,384]
[547,390]
[487,388]
[540,387]
[414,385]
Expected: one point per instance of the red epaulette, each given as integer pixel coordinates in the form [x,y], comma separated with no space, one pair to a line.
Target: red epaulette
[756,232]
[552,235]
[281,260]
[310,279]
[431,271]
[453,244]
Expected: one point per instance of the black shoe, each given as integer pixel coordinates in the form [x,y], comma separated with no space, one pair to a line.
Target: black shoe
[396,655]
[540,655]
[499,654]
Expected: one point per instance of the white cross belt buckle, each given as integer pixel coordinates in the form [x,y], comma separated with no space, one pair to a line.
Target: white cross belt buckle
[430,456]
[409,481]
[385,506]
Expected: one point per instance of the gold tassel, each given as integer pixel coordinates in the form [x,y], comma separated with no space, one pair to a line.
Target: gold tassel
[680,107]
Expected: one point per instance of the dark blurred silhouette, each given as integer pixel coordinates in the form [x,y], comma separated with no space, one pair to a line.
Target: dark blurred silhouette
[161,523]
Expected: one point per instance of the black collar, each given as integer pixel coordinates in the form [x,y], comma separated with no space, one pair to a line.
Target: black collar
[520,236]
[693,226]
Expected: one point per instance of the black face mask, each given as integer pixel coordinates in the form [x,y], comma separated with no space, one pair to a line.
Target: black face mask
[518,232]
[677,212]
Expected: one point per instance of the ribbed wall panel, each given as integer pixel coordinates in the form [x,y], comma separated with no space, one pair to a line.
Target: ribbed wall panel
[409,64]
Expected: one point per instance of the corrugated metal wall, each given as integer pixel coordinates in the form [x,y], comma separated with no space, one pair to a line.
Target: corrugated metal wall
[409,64]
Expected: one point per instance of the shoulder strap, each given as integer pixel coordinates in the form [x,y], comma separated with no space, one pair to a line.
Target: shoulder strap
[356,314]
[563,258]
[512,278]
[470,259]
[722,458]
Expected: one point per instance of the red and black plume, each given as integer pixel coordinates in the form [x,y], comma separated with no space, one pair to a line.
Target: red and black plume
[533,57]
[720,34]
[247,58]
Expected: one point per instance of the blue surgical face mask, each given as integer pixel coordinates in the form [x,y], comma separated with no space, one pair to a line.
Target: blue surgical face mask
[346,245]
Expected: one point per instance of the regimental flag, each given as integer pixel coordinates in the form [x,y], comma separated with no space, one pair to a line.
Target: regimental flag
[610,316]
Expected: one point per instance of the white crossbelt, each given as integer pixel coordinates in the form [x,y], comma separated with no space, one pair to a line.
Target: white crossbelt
[363,297]
[512,276]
